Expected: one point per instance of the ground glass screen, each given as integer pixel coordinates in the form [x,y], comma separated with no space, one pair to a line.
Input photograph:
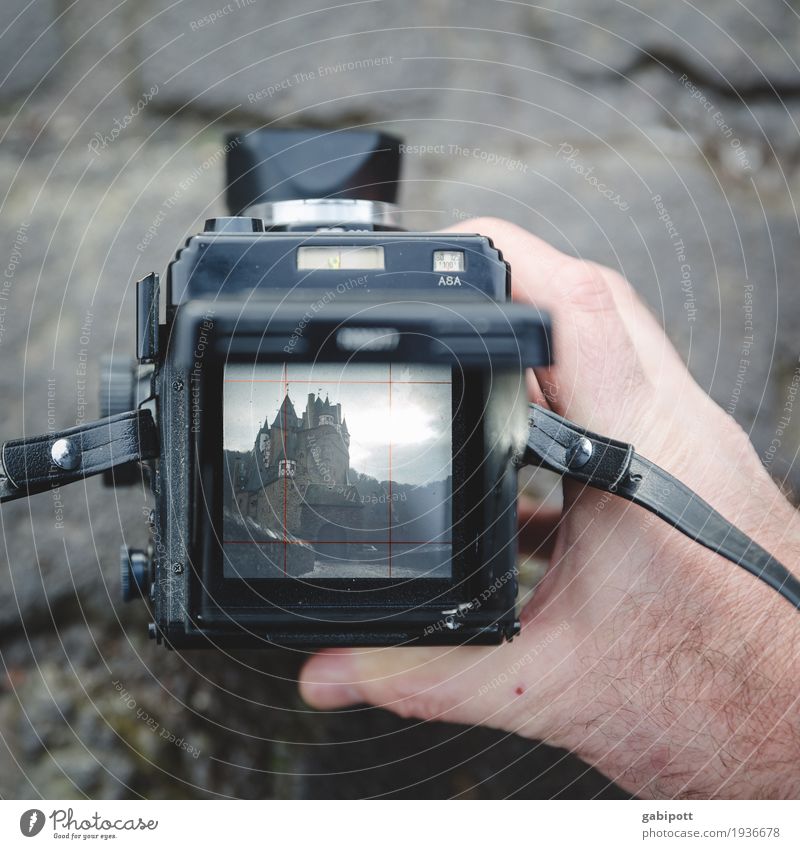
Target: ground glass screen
[337,471]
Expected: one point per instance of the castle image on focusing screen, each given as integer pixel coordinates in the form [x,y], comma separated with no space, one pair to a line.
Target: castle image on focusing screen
[294,506]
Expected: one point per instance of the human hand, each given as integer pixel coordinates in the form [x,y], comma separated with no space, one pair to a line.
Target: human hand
[660,663]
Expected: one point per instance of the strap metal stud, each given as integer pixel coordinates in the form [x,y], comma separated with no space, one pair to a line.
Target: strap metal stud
[579,453]
[66,454]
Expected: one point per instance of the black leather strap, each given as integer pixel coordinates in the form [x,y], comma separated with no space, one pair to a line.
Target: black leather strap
[28,465]
[613,466]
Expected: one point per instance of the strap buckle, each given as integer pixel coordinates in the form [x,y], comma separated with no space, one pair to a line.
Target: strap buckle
[38,463]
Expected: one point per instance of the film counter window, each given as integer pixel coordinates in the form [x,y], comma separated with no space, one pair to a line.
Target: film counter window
[337,471]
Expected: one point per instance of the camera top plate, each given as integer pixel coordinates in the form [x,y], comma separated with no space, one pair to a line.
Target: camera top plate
[231,264]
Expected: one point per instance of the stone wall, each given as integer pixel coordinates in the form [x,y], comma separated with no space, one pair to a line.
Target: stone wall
[632,134]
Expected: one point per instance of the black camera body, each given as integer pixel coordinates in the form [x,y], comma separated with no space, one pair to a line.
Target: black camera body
[338,405]
[331,416]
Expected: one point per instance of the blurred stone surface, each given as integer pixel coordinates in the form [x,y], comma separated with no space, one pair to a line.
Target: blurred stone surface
[31,44]
[87,703]
[748,45]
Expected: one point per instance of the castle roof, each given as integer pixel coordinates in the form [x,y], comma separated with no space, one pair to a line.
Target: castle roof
[286,415]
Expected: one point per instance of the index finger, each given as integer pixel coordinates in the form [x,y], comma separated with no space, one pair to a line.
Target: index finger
[609,347]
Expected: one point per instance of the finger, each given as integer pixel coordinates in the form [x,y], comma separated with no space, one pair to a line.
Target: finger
[536,393]
[535,265]
[538,525]
[654,348]
[610,352]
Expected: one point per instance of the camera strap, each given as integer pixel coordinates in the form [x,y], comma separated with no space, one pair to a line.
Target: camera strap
[38,463]
[612,466]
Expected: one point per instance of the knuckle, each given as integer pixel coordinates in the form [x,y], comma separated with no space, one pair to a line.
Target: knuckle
[584,287]
[497,229]
[409,699]
[615,281]
[423,705]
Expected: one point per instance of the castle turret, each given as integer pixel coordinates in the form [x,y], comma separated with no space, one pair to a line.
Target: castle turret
[286,417]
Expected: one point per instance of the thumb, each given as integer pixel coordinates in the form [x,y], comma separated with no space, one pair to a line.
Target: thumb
[424,682]
[501,686]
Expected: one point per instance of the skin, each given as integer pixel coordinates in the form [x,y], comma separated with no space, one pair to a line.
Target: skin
[668,668]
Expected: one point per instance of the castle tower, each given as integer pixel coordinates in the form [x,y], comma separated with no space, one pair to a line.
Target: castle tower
[296,483]
[323,443]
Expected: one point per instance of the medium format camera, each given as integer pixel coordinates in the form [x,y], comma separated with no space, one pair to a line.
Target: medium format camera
[338,404]
[331,417]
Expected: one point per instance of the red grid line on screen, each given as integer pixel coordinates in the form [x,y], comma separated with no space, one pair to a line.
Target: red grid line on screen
[285,466]
[338,382]
[334,542]
[389,503]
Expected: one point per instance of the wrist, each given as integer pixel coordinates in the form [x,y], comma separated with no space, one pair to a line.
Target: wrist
[705,703]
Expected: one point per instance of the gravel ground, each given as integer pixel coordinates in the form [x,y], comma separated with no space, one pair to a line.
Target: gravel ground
[108,113]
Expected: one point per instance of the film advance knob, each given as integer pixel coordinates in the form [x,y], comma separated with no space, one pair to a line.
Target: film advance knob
[134,573]
[120,390]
